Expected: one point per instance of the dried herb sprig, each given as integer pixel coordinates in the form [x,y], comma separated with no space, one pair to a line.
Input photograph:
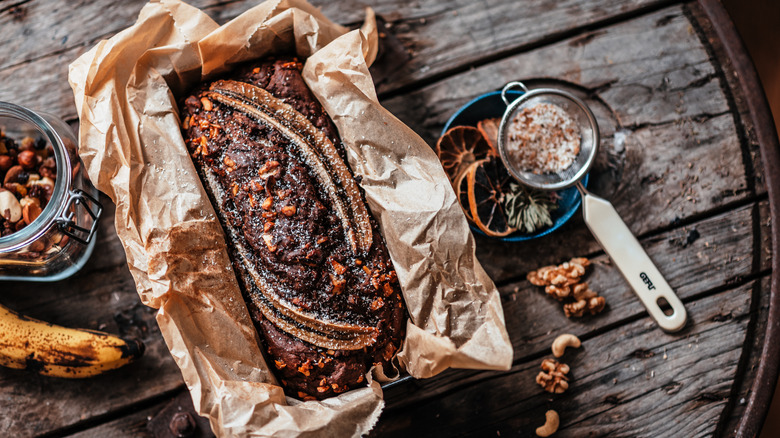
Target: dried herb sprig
[528,209]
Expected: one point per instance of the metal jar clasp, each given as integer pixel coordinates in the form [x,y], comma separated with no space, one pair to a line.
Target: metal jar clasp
[67,223]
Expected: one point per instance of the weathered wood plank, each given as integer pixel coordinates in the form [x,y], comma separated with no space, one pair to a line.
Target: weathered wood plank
[751,358]
[670,111]
[676,152]
[152,421]
[101,297]
[631,381]
[722,254]
[428,30]
[739,102]
[766,236]
[129,426]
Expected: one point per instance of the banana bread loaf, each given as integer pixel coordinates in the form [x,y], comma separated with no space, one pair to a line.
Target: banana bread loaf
[313,267]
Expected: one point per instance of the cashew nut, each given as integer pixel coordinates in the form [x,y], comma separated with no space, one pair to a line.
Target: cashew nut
[9,203]
[550,425]
[561,342]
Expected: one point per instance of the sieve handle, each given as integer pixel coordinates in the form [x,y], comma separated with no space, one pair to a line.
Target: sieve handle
[632,261]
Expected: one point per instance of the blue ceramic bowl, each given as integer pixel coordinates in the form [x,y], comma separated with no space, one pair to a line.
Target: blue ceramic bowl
[488,106]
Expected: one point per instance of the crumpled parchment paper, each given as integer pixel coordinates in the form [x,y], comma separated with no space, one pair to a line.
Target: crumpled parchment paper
[126,90]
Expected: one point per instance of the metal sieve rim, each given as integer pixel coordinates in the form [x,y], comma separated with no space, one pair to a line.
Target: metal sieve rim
[505,122]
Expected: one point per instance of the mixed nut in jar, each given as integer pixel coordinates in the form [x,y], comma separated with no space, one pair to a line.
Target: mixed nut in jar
[48,208]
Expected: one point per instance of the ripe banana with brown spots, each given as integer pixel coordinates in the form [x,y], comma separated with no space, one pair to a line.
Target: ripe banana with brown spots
[52,350]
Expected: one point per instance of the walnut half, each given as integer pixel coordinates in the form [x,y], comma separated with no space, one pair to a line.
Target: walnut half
[553,376]
[563,282]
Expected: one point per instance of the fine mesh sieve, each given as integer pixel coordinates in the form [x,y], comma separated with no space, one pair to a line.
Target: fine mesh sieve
[574,108]
[600,216]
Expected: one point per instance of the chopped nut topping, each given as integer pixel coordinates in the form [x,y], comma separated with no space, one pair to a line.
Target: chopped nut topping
[305,397]
[186,123]
[337,267]
[321,240]
[322,389]
[288,210]
[229,163]
[267,226]
[553,376]
[389,351]
[388,289]
[377,304]
[206,104]
[269,242]
[304,369]
[235,189]
[204,146]
[338,284]
[267,203]
[256,186]
[269,169]
[293,65]
[279,364]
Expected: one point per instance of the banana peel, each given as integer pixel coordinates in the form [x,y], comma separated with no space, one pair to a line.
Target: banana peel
[52,350]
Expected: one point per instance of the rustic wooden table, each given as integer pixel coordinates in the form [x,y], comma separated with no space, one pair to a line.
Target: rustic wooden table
[688,150]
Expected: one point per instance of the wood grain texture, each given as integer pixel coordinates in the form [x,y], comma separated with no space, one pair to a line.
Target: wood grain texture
[630,381]
[427,29]
[674,154]
[102,297]
[722,254]
[153,421]
[679,160]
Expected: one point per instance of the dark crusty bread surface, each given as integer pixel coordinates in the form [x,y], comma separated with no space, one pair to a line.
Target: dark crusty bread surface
[326,308]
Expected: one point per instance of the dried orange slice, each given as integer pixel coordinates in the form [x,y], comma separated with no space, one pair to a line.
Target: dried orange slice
[459,147]
[461,189]
[487,186]
[489,129]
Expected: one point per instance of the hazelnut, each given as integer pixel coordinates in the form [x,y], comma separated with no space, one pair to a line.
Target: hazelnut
[10,208]
[5,162]
[16,174]
[27,159]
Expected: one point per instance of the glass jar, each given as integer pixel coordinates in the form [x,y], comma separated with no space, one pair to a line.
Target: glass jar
[58,242]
